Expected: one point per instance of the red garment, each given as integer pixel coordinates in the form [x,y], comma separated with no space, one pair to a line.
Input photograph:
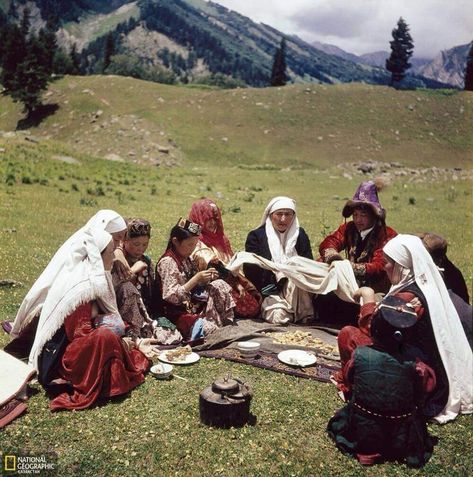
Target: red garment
[369,265]
[350,337]
[96,363]
[204,210]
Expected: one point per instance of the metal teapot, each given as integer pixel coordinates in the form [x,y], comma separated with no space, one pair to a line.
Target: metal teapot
[225,403]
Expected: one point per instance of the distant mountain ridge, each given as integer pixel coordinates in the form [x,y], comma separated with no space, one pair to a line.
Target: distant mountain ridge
[447,67]
[192,41]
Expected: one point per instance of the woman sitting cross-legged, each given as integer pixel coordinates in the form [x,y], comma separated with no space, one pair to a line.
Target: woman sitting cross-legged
[78,338]
[197,302]
[278,238]
[214,250]
[135,288]
[388,384]
[360,241]
[438,332]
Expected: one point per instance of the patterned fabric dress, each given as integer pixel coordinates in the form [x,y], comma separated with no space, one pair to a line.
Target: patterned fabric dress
[135,303]
[384,418]
[183,308]
[214,250]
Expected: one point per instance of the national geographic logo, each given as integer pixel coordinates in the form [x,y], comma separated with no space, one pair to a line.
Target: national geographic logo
[17,464]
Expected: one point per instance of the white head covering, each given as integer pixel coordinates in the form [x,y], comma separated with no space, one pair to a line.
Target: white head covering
[32,304]
[281,245]
[410,254]
[108,220]
[82,279]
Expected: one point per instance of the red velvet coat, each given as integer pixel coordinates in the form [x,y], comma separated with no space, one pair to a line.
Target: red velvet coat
[96,363]
[368,265]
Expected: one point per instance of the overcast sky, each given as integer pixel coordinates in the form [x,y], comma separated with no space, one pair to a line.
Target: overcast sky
[364,26]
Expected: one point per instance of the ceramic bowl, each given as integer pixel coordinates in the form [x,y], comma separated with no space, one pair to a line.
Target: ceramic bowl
[162,370]
[248,349]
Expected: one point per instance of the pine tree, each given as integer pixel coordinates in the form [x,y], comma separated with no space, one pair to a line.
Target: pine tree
[469,70]
[75,60]
[402,47]
[31,77]
[278,74]
[14,52]
[47,47]
[26,66]
[109,52]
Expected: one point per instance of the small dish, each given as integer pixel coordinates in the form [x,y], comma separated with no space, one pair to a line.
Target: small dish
[187,359]
[248,349]
[161,370]
[297,357]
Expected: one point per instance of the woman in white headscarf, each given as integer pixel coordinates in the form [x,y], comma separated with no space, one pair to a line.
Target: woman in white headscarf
[92,360]
[278,238]
[438,334]
[32,304]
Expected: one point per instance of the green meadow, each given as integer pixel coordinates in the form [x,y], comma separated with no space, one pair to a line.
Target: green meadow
[241,148]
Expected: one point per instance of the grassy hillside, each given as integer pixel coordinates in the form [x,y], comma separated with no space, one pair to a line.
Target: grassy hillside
[53,178]
[314,126]
[45,196]
[91,26]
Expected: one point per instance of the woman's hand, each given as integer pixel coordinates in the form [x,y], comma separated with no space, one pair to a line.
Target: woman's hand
[206,276]
[366,294]
[145,345]
[139,267]
[333,258]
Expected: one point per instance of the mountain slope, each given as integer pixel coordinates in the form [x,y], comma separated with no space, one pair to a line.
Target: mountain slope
[448,66]
[297,125]
[194,41]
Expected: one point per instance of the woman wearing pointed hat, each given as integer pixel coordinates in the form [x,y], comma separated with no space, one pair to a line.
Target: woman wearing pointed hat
[278,238]
[362,238]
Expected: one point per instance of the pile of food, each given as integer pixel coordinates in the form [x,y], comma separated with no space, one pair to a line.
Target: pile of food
[178,354]
[304,338]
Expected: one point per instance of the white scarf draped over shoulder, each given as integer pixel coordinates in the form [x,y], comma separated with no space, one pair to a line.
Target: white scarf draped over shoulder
[416,264]
[82,279]
[105,219]
[281,245]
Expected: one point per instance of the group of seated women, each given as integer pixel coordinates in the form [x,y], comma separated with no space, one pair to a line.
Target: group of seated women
[91,319]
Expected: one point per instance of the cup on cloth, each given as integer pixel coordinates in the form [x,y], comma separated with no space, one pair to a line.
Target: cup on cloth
[248,349]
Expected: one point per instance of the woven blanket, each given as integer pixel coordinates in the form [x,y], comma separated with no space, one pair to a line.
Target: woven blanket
[321,371]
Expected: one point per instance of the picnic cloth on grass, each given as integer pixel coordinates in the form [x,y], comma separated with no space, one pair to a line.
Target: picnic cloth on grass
[14,376]
[223,343]
[308,275]
[257,330]
[321,371]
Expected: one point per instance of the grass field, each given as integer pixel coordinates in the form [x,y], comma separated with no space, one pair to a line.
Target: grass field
[156,430]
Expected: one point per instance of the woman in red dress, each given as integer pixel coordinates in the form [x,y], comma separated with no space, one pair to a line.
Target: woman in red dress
[95,363]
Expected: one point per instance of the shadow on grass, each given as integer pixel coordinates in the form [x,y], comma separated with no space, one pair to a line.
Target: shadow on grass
[36,117]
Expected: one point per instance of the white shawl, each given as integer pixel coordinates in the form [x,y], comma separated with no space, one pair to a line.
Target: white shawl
[409,252]
[34,300]
[281,245]
[307,274]
[82,279]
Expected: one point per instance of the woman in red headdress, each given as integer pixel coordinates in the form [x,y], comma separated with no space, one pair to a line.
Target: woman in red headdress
[214,249]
